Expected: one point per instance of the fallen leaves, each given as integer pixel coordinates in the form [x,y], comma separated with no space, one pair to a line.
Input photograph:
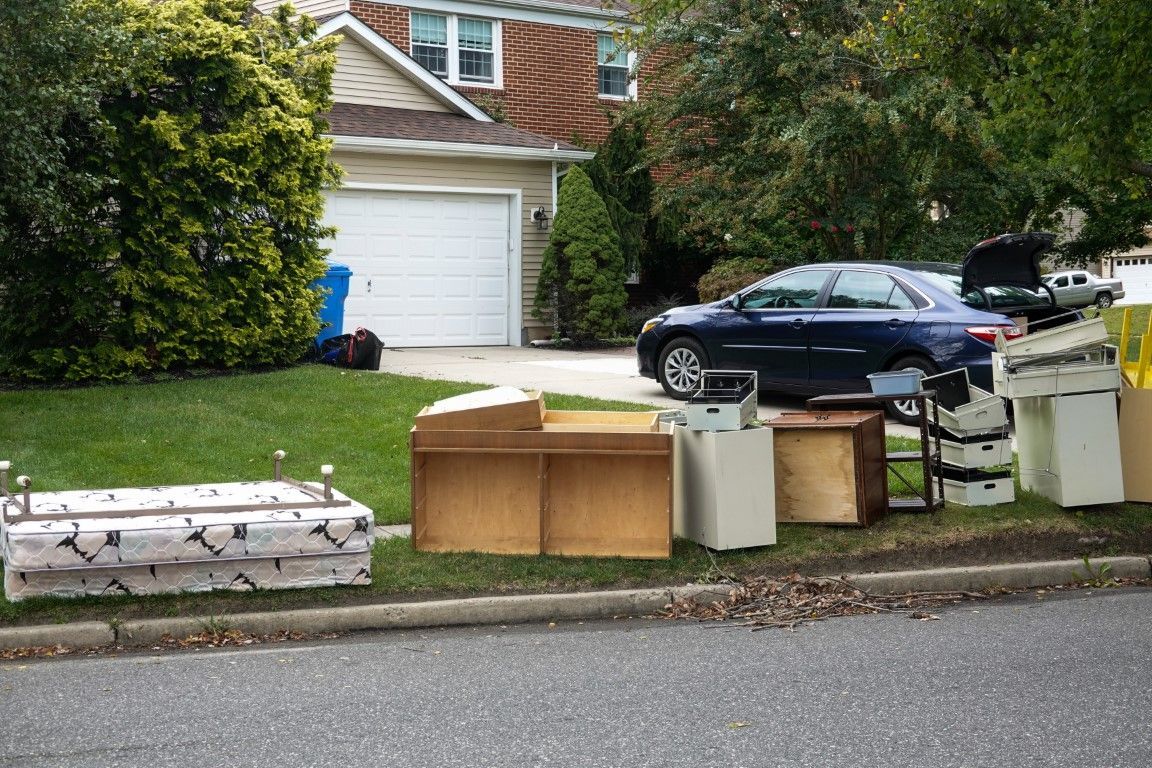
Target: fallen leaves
[794,600]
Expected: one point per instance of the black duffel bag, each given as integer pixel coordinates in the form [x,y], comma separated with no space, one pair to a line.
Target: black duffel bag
[360,350]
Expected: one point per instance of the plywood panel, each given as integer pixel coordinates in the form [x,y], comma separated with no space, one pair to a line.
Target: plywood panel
[609,505]
[815,476]
[601,421]
[830,467]
[476,502]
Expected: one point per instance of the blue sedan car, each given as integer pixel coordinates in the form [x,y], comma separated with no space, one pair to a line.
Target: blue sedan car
[822,328]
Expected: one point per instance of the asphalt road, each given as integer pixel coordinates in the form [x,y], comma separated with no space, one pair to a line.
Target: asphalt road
[1061,679]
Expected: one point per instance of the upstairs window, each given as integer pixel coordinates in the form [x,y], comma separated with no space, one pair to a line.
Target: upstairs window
[460,49]
[612,60]
[430,42]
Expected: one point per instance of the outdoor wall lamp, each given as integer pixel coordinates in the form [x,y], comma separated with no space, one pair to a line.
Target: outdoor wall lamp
[540,216]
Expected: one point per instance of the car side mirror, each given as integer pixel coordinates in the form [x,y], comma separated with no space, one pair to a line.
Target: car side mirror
[735,301]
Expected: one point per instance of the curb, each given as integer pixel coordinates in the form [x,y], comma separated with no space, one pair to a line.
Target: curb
[520,609]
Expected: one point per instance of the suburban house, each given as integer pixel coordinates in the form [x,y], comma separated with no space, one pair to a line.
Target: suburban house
[444,212]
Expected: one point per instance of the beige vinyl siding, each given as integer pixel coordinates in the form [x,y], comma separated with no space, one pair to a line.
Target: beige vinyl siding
[362,77]
[532,178]
[313,8]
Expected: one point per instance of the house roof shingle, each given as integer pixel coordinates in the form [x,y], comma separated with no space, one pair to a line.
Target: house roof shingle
[417,125]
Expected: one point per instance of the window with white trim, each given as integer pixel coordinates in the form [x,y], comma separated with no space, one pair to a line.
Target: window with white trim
[460,49]
[612,60]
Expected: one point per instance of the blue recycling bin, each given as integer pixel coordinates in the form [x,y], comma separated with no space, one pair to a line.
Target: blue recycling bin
[335,280]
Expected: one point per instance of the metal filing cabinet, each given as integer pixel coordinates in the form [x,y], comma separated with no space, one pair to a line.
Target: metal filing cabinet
[724,490]
[1063,385]
[1069,448]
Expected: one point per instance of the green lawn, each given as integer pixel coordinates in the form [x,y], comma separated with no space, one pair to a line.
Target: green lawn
[223,429]
[1137,325]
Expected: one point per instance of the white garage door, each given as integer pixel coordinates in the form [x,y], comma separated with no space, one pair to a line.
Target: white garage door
[428,270]
[1137,276]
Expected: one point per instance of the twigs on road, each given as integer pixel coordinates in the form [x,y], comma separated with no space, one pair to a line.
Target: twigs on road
[764,603]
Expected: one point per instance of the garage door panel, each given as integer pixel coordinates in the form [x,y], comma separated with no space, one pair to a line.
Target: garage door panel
[491,289]
[437,263]
[383,207]
[1137,279]
[457,289]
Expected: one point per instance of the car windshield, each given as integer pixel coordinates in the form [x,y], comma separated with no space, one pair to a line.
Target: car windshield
[948,277]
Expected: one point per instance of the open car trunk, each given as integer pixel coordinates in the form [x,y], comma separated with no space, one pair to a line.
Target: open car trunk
[1014,260]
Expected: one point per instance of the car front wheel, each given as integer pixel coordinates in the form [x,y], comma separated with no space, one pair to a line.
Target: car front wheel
[908,411]
[680,365]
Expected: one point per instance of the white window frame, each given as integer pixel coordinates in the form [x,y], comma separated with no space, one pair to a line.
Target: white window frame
[630,64]
[453,77]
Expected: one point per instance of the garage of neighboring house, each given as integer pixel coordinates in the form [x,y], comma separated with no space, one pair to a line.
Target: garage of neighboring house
[435,214]
[1135,270]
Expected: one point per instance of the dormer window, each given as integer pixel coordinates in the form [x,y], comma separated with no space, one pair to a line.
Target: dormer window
[460,49]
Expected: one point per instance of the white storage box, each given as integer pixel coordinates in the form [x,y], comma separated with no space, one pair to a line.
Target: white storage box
[983,411]
[724,494]
[981,452]
[723,400]
[1061,339]
[977,488]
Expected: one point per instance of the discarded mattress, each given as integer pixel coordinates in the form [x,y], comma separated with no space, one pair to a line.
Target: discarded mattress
[247,535]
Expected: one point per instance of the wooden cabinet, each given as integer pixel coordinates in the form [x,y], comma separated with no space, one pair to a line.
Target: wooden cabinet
[557,490]
[830,467]
[929,455]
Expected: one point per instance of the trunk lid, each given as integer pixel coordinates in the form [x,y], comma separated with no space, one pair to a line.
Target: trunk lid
[1012,259]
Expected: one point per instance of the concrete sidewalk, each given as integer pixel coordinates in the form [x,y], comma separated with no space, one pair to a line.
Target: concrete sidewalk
[605,374]
[521,609]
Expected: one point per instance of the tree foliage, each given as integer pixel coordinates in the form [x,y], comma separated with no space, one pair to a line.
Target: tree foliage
[198,241]
[581,284]
[784,144]
[1063,79]
[58,58]
[624,183]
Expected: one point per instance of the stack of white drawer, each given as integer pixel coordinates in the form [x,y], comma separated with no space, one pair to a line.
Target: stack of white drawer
[975,449]
[1063,384]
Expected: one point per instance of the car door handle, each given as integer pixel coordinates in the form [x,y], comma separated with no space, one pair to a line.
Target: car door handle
[896,323]
[798,322]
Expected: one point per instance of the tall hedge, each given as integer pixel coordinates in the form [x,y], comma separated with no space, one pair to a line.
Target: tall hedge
[200,247]
[581,285]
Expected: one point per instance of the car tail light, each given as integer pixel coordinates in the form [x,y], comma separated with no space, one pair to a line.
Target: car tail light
[987,333]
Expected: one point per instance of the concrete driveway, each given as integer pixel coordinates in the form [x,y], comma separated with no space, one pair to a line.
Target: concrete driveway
[607,374]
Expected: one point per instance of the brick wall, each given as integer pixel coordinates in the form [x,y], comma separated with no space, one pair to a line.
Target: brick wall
[389,21]
[549,74]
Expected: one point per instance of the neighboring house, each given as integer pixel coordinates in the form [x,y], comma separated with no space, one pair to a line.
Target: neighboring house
[552,67]
[435,212]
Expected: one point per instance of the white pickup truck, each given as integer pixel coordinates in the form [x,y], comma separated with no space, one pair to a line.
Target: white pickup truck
[1077,288]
